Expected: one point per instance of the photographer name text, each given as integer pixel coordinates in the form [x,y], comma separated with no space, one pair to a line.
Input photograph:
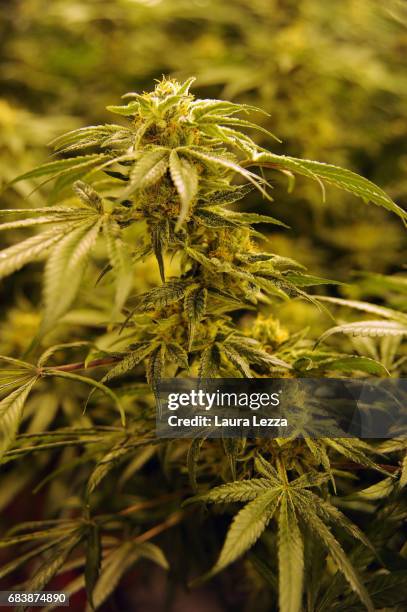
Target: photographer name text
[217,421]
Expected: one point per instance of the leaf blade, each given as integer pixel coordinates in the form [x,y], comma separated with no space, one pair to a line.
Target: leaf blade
[334,175]
[246,528]
[11,411]
[64,271]
[185,178]
[290,559]
[366,328]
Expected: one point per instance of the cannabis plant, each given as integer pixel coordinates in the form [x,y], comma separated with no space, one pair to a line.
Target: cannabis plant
[346,60]
[162,188]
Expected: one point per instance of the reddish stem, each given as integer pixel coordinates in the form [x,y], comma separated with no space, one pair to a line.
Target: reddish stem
[81,365]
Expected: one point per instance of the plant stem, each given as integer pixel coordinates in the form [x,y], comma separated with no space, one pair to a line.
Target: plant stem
[81,365]
[170,522]
[142,505]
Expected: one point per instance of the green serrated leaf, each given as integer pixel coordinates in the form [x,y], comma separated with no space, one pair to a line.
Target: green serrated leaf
[155,366]
[93,560]
[160,234]
[40,221]
[337,553]
[195,306]
[185,178]
[240,490]
[88,195]
[121,262]
[11,411]
[129,362]
[127,111]
[60,167]
[208,106]
[24,365]
[355,364]
[168,293]
[90,136]
[118,562]
[333,175]
[234,121]
[15,563]
[233,166]
[64,271]
[251,351]
[236,357]
[108,462]
[372,329]
[210,362]
[246,528]
[51,566]
[18,255]
[177,354]
[379,490]
[381,311]
[208,218]
[148,170]
[252,218]
[183,89]
[150,551]
[113,568]
[290,558]
[329,513]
